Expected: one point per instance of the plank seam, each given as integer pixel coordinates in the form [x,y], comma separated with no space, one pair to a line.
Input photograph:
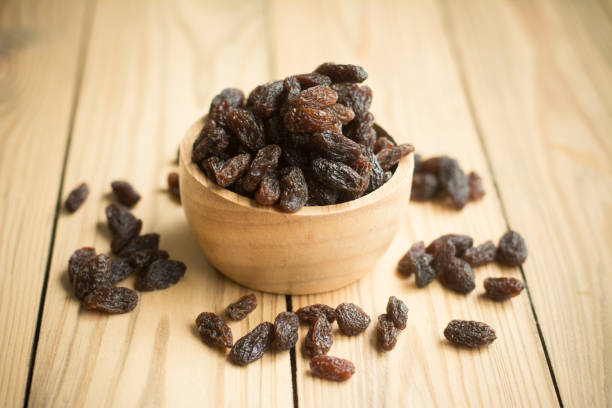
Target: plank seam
[81,59]
[455,54]
[292,357]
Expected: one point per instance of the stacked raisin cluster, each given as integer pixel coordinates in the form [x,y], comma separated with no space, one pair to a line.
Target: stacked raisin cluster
[306,140]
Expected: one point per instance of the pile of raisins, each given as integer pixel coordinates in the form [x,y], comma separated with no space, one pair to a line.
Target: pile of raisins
[451,257]
[441,178]
[307,140]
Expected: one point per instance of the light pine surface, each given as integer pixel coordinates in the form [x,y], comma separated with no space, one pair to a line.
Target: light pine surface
[519,91]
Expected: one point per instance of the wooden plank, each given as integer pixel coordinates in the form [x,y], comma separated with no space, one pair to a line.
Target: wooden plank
[418,98]
[39,50]
[152,69]
[539,75]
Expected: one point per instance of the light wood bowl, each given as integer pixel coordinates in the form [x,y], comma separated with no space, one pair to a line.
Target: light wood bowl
[317,249]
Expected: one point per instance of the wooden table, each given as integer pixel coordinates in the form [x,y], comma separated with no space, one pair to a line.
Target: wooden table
[520,91]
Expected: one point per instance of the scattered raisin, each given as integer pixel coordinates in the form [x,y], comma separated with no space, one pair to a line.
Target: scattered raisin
[443,254]
[424,187]
[458,276]
[268,192]
[252,346]
[78,260]
[424,273]
[173,185]
[405,265]
[111,299]
[77,197]
[454,182]
[387,332]
[319,338]
[342,72]
[480,255]
[123,226]
[293,189]
[161,274]
[242,307]
[511,250]
[503,288]
[352,320]
[308,314]
[331,368]
[214,331]
[142,259]
[285,330]
[121,268]
[141,243]
[469,333]
[91,275]
[477,190]
[460,241]
[397,312]
[125,193]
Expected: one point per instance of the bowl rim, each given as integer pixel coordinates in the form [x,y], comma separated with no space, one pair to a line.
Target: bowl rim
[401,174]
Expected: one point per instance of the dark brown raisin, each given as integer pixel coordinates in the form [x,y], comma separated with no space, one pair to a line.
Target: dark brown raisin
[232,96]
[212,141]
[319,338]
[242,307]
[310,120]
[387,332]
[363,167]
[319,194]
[503,288]
[511,250]
[292,89]
[469,333]
[121,268]
[357,98]
[317,97]
[397,311]
[125,193]
[424,273]
[266,158]
[286,330]
[417,162]
[78,260]
[460,241]
[454,182]
[331,368]
[389,157]
[352,320]
[77,197]
[308,314]
[313,79]
[293,155]
[294,190]
[212,166]
[252,346]
[405,266]
[378,176]
[424,187]
[361,131]
[275,130]
[111,299]
[342,72]
[123,226]
[267,99]
[140,243]
[431,165]
[458,276]
[337,175]
[173,185]
[93,274]
[142,259]
[268,192]
[214,331]
[232,169]
[335,146]
[343,113]
[383,143]
[477,190]
[247,128]
[443,254]
[161,274]
[480,255]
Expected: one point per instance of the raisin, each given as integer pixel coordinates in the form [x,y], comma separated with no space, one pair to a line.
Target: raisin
[480,255]
[125,193]
[266,158]
[343,113]
[454,182]
[268,192]
[77,197]
[232,169]
[232,96]
[331,368]
[242,307]
[335,146]
[337,175]
[294,190]
[78,260]
[140,243]
[397,311]
[111,299]
[275,130]
[267,99]
[389,157]
[424,187]
[458,276]
[511,250]
[461,243]
[342,72]
[247,128]
[417,162]
[443,254]
[503,288]
[121,268]
[212,141]
[469,333]
[308,314]
[93,274]
[431,165]
[214,331]
[123,226]
[142,259]
[424,273]
[252,346]
[173,185]
[378,176]
[352,320]
[361,131]
[313,79]
[383,143]
[387,332]
[310,120]
[317,97]
[212,166]
[477,190]
[405,266]
[319,338]
[161,274]
[285,330]
[319,194]
[357,98]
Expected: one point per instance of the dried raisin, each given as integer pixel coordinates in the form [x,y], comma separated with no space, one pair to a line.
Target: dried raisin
[511,250]
[285,330]
[390,157]
[78,260]
[317,97]
[383,143]
[266,159]
[460,241]
[267,99]
[458,276]
[252,346]
[352,320]
[308,314]
[480,255]
[125,193]
[337,175]
[397,311]
[293,189]
[212,141]
[331,368]
[357,98]
[232,169]
[387,332]
[313,79]
[335,146]
[247,128]
[93,274]
[405,265]
[503,288]
[454,182]
[469,333]
[310,120]
[242,307]
[141,243]
[111,299]
[319,338]
[268,192]
[123,226]
[161,274]
[77,197]
[343,113]
[214,331]
[342,72]
[142,259]
[424,187]
[477,190]
[173,185]
[319,194]
[121,268]
[424,273]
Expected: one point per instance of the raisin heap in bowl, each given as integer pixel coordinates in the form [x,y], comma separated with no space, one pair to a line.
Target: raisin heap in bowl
[306,140]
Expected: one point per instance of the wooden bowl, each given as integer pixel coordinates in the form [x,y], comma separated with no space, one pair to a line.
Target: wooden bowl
[317,249]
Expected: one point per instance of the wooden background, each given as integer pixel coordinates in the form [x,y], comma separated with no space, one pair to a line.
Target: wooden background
[520,91]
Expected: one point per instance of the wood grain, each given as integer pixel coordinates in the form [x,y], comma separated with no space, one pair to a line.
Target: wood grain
[39,50]
[539,76]
[418,98]
[152,68]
